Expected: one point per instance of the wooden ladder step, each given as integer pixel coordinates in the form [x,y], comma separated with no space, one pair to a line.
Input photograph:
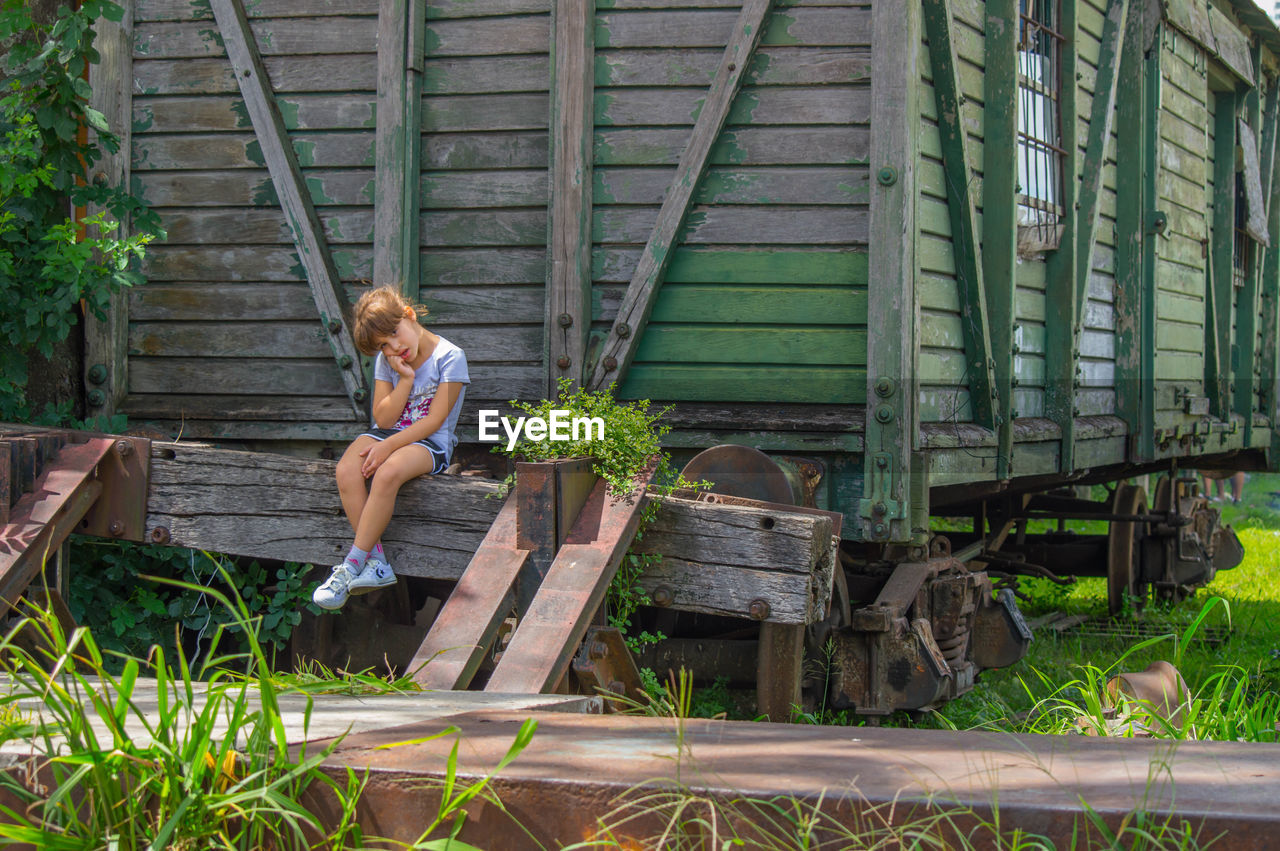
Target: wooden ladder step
[40,521]
[456,643]
[546,638]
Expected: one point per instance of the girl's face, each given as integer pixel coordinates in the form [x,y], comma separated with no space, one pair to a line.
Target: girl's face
[404,343]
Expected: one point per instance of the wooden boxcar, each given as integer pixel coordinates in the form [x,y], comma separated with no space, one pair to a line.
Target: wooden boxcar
[954,254]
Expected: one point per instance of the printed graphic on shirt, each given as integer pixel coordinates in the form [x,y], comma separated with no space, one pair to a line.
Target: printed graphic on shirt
[417,406]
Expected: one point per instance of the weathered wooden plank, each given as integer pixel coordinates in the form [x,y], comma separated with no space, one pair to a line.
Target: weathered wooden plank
[465,266]
[277,37]
[250,188]
[707,265]
[842,185]
[811,26]
[291,340]
[755,344]
[242,263]
[185,407]
[1215,32]
[568,312]
[736,145]
[1000,209]
[198,10]
[321,73]
[1069,270]
[241,151]
[468,75]
[964,224]
[465,113]
[770,66]
[307,377]
[703,382]
[229,502]
[398,137]
[488,36]
[781,304]
[105,366]
[512,149]
[260,226]
[758,105]
[1220,292]
[733,226]
[458,228]
[166,114]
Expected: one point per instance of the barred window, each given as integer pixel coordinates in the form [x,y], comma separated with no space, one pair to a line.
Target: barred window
[1040,146]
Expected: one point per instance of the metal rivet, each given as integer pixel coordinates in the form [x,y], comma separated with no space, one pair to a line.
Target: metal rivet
[359,395]
[247,72]
[887,176]
[97,398]
[759,609]
[565,320]
[623,330]
[662,596]
[610,364]
[116,528]
[563,362]
[98,373]
[884,413]
[885,386]
[160,535]
[335,325]
[345,361]
[124,447]
[598,650]
[733,66]
[880,530]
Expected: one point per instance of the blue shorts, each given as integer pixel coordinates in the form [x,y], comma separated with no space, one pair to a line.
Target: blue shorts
[441,460]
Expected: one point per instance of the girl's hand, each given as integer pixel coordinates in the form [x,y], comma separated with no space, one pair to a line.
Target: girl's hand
[374,456]
[397,363]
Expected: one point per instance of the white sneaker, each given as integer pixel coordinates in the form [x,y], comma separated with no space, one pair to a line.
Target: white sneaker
[376,574]
[333,593]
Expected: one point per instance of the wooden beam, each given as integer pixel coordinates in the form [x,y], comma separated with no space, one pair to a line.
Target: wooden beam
[1269,372]
[637,303]
[1070,267]
[1152,81]
[106,377]
[966,241]
[568,319]
[1246,356]
[295,200]
[1000,209]
[229,501]
[892,430]
[397,144]
[1219,293]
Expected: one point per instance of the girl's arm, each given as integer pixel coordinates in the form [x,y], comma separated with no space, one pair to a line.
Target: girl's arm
[388,401]
[441,404]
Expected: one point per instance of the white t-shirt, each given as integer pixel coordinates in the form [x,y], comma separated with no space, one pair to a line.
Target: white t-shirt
[447,363]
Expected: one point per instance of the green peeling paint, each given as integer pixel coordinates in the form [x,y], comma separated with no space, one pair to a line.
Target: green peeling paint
[288,112]
[778,30]
[370,191]
[305,151]
[263,194]
[212,37]
[315,188]
[241,112]
[253,153]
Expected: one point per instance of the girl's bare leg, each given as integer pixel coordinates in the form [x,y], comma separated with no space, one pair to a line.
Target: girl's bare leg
[407,462]
[352,488]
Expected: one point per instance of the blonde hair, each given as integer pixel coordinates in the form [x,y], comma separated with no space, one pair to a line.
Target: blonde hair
[377,314]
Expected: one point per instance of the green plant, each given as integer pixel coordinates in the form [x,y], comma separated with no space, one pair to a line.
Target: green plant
[631,440]
[129,613]
[50,263]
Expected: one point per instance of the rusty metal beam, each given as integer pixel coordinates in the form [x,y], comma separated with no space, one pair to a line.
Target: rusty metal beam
[42,520]
[550,632]
[456,643]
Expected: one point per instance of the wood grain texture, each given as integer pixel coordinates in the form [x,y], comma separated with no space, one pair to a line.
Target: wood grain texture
[110,81]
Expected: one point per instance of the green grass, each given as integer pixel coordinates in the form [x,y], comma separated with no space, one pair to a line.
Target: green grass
[1246,665]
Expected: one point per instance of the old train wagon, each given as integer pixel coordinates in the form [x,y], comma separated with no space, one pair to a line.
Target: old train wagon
[942,256]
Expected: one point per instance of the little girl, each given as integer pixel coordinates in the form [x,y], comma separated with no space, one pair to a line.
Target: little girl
[419,381]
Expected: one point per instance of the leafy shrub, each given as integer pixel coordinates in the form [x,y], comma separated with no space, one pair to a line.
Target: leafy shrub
[49,263]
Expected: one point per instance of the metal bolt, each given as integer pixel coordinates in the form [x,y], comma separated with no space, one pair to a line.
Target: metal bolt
[98,373]
[882,462]
[884,414]
[887,176]
[880,530]
[623,330]
[345,361]
[359,395]
[335,325]
[565,320]
[759,610]
[617,687]
[563,362]
[885,386]
[246,72]
[97,398]
[598,650]
[160,535]
[879,508]
[662,596]
[124,447]
[116,528]
[100,179]
[610,364]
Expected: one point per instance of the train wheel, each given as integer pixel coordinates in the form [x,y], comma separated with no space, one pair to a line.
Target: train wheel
[1125,590]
